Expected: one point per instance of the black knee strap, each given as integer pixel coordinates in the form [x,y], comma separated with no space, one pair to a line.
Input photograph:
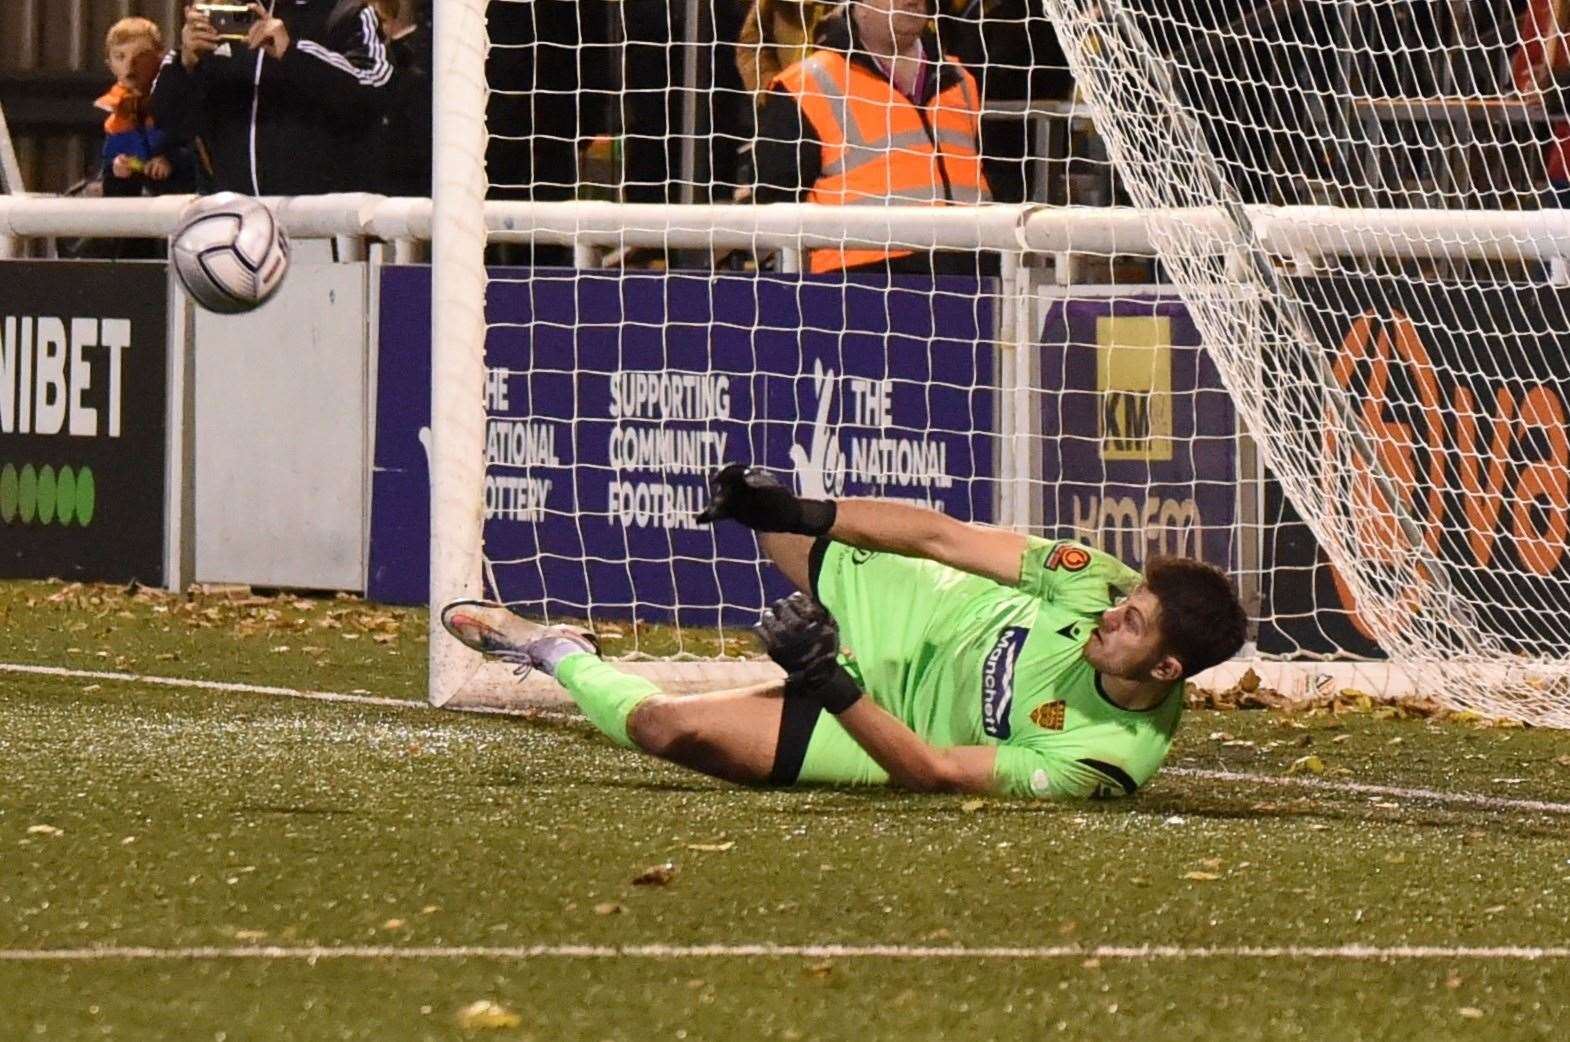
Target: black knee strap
[797,722]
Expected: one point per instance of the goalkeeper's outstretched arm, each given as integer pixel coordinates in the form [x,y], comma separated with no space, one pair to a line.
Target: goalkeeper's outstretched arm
[912,531]
[754,497]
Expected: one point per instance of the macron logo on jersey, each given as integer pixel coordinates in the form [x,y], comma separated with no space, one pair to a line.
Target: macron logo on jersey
[997,680]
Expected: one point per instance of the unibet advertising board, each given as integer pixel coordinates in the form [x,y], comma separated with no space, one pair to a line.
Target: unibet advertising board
[82,420]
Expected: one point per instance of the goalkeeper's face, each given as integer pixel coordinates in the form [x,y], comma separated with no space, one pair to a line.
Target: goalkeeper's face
[1129,643]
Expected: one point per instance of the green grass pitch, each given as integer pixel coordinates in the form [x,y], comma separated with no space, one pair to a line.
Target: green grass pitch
[157,820]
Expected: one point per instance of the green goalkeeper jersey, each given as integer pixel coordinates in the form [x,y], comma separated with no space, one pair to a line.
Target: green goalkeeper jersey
[965,661]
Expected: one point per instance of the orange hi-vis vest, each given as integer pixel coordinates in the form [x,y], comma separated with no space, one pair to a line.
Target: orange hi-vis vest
[881,149]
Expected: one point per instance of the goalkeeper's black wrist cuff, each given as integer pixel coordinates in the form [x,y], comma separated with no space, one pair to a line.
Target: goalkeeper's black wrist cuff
[817,516]
[830,685]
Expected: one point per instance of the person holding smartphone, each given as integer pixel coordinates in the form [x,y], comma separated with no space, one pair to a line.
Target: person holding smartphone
[282,96]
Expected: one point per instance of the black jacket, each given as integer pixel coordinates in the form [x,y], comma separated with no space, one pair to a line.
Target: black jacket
[402,144]
[294,126]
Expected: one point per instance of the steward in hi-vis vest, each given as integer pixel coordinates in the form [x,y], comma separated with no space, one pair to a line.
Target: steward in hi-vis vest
[847,126]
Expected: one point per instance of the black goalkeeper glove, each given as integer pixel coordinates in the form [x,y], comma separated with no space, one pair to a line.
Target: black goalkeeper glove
[801,637]
[754,497]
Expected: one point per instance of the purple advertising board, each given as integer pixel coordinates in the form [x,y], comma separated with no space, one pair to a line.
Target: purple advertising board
[1139,438]
[612,397]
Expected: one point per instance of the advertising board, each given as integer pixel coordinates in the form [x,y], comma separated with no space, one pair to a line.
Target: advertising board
[1469,418]
[1139,438]
[612,398]
[83,371]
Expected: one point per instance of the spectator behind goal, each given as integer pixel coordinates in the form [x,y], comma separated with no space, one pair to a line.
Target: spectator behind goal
[402,142]
[137,155]
[1538,69]
[290,109]
[776,35]
[876,115]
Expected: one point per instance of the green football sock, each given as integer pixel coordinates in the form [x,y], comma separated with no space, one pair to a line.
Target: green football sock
[606,695]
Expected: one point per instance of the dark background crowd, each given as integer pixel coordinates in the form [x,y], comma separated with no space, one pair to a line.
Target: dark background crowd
[665,100]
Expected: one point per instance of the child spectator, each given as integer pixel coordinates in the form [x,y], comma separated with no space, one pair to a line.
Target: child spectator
[136,151]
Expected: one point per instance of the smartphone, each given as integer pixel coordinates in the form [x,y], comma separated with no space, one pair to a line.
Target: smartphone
[231,21]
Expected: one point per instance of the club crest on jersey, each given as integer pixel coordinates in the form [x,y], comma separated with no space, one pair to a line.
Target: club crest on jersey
[1068,558]
[1049,715]
[997,680]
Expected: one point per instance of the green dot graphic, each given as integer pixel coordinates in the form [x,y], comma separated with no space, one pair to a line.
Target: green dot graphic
[7,493]
[65,495]
[86,496]
[27,494]
[46,495]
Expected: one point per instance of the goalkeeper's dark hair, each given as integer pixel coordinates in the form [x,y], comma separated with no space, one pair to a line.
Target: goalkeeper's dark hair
[1202,620]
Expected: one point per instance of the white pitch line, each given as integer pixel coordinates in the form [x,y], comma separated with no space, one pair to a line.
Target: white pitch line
[1283,781]
[1136,953]
[1363,789]
[248,689]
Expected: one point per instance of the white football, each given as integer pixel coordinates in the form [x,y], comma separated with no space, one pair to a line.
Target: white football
[230,254]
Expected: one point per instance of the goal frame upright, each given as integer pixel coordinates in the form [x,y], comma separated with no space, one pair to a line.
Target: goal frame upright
[455,446]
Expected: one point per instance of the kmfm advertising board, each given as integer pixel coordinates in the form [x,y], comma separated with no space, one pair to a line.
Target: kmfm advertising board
[83,366]
[1139,438]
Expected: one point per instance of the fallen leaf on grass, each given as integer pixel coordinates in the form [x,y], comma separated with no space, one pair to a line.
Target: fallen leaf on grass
[655,875]
[972,806]
[1310,764]
[44,830]
[820,969]
[393,924]
[608,908]
[712,848]
[1470,1012]
[1203,877]
[477,1016]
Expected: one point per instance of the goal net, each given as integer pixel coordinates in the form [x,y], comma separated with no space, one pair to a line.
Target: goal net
[1272,285]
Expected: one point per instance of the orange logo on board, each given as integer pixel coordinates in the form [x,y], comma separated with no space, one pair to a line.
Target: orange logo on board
[1049,715]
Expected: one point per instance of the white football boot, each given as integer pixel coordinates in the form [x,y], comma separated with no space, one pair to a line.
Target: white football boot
[491,629]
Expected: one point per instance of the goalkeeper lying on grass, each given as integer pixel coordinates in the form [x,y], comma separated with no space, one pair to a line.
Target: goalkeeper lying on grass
[931,654]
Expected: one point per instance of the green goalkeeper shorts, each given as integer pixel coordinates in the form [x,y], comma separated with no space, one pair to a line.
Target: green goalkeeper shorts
[892,612]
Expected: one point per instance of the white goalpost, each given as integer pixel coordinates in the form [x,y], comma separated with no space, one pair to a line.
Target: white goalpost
[456,446]
[1334,370]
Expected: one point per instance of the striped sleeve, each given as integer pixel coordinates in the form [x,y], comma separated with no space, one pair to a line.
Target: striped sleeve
[347,71]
